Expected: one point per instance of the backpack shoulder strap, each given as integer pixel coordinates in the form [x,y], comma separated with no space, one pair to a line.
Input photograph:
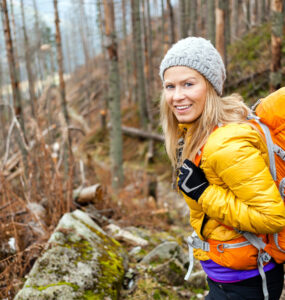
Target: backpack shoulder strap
[270,144]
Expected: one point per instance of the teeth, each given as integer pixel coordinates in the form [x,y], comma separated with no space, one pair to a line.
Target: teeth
[183,107]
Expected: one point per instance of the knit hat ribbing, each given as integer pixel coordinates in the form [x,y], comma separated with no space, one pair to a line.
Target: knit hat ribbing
[199,54]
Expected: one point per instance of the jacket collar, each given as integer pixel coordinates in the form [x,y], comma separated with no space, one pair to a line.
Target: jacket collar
[184,127]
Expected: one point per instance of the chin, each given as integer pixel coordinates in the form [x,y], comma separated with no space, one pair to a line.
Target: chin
[185,120]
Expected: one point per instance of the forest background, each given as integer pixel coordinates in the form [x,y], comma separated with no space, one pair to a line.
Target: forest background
[79,105]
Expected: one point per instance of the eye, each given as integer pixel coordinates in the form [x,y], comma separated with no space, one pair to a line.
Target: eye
[187,84]
[169,86]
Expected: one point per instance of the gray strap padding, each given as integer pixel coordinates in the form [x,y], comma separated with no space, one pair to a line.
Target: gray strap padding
[191,263]
[270,145]
[262,258]
[282,188]
[279,151]
[263,276]
[275,237]
[194,241]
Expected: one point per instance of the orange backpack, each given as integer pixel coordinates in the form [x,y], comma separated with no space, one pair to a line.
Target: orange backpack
[270,118]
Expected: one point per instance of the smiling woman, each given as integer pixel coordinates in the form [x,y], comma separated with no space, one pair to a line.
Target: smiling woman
[223,176]
[185,93]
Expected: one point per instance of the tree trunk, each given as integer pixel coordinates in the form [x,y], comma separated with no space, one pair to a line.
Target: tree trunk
[139,59]
[151,81]
[17,101]
[262,13]
[235,31]
[254,12]
[193,18]
[12,66]
[14,40]
[163,37]
[171,22]
[60,63]
[202,17]
[220,29]
[104,101]
[116,141]
[276,45]
[82,30]
[125,46]
[227,23]
[28,60]
[182,18]
[40,56]
[67,142]
[135,90]
[247,13]
[211,21]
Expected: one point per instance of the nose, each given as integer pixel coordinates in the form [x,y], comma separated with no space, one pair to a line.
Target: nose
[178,94]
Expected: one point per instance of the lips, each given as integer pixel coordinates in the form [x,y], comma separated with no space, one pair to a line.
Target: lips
[183,107]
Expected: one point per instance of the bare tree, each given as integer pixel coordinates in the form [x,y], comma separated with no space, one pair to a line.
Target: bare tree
[171,22]
[163,36]
[220,29]
[82,29]
[41,63]
[246,9]
[254,12]
[14,38]
[60,63]
[28,60]
[211,21]
[151,81]
[262,11]
[125,47]
[67,139]
[276,44]
[193,17]
[116,141]
[182,19]
[227,23]
[14,75]
[104,98]
[235,22]
[139,61]
[17,101]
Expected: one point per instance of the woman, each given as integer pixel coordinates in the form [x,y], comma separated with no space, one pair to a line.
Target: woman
[230,188]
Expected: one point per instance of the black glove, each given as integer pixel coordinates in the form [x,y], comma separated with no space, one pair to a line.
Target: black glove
[192,180]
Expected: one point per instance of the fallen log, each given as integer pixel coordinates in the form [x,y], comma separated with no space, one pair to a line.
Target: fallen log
[84,195]
[136,132]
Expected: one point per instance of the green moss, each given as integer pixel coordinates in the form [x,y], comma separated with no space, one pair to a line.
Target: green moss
[111,265]
[90,295]
[82,247]
[156,295]
[42,288]
[175,268]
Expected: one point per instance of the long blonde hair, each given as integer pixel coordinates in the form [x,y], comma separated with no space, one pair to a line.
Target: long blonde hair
[217,110]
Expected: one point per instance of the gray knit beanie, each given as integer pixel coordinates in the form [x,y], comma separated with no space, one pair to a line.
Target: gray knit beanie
[199,54]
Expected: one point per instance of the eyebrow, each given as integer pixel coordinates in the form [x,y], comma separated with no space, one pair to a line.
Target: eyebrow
[183,80]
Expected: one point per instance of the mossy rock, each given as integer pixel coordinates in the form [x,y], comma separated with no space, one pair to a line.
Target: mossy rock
[81,262]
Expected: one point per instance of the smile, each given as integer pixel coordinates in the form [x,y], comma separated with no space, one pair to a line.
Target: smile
[183,107]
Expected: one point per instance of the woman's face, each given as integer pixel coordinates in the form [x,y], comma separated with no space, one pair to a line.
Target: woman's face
[185,93]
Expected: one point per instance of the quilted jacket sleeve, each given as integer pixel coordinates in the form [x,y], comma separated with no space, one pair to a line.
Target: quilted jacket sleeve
[242,193]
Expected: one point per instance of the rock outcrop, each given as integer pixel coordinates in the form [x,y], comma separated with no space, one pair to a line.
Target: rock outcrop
[80,262]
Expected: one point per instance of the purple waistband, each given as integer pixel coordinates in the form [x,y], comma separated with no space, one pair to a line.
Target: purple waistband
[223,274]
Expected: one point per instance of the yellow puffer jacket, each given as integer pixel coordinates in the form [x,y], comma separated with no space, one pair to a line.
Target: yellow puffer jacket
[242,193]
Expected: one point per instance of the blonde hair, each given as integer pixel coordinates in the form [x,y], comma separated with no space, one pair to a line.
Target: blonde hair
[217,110]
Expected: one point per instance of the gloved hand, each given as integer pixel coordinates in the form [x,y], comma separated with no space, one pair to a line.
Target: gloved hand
[192,180]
